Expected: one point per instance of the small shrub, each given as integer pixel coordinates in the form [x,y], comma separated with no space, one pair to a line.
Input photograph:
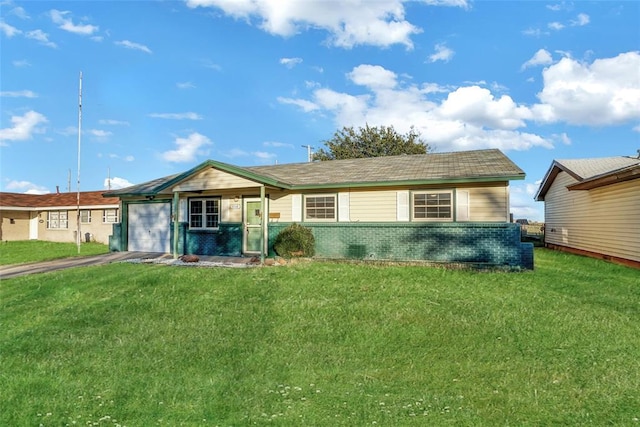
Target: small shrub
[295,241]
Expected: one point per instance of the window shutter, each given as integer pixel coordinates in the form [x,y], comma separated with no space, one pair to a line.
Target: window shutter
[296,207]
[462,205]
[343,207]
[402,206]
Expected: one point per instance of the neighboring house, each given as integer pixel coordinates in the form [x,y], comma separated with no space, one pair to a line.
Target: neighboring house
[443,207]
[592,207]
[54,217]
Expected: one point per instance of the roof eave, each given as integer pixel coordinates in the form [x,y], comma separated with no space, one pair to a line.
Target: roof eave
[621,175]
[407,182]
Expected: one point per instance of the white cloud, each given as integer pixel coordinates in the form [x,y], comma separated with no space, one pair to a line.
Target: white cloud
[264,157]
[581,20]
[541,57]
[134,46]
[23,127]
[25,187]
[41,37]
[562,138]
[302,103]
[116,183]
[19,63]
[277,144]
[185,85]
[207,63]
[68,131]
[373,76]
[65,23]
[555,26]
[349,22]
[477,106]
[187,148]
[534,32]
[636,128]
[99,133]
[176,116]
[19,94]
[19,12]
[605,92]
[113,122]
[129,158]
[290,62]
[442,53]
[469,117]
[9,30]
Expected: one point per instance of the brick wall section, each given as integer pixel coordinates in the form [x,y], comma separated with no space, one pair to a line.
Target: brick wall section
[227,241]
[491,244]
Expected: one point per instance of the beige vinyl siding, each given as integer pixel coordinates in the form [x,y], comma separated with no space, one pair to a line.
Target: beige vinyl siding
[604,220]
[373,206]
[280,202]
[213,179]
[487,202]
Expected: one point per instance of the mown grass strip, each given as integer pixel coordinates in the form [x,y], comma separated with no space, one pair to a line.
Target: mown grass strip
[322,344]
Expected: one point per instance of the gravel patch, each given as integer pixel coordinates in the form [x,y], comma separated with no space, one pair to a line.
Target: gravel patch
[180,263]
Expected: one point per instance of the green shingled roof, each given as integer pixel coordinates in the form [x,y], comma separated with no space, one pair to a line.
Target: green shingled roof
[455,167]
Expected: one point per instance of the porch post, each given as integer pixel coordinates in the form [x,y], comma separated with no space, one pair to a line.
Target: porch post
[176,223]
[263,223]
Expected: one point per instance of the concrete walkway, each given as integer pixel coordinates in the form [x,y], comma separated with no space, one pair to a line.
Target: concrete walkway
[16,270]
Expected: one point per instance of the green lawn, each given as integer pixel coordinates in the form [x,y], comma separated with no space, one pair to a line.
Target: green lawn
[322,344]
[25,251]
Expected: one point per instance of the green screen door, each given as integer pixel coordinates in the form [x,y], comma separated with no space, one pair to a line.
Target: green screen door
[252,225]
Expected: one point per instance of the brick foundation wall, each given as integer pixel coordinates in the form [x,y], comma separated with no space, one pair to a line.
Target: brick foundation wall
[226,241]
[491,244]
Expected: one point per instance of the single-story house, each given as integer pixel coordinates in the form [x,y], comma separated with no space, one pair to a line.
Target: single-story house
[592,207]
[442,207]
[54,217]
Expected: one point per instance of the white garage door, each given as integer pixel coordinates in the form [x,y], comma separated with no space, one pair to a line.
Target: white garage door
[149,227]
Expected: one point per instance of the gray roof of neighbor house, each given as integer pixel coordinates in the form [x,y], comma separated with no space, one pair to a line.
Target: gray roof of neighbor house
[433,168]
[55,200]
[591,173]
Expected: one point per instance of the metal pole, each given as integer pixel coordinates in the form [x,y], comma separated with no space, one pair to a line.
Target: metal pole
[79,236]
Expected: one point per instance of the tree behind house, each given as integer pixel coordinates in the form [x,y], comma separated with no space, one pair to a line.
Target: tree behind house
[371,141]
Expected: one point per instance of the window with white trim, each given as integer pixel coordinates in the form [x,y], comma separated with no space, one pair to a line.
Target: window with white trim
[320,207]
[85,216]
[204,213]
[57,219]
[432,206]
[110,215]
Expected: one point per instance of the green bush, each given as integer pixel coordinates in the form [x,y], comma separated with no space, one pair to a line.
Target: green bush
[295,241]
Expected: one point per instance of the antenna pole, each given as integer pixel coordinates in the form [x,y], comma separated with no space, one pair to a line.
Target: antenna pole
[79,234]
[308,147]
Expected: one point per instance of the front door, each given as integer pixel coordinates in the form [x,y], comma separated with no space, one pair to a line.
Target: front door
[253,215]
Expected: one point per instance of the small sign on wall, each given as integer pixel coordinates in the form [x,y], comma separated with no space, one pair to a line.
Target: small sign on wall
[234,206]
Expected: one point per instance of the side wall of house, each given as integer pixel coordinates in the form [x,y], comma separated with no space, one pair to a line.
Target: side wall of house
[487,202]
[14,225]
[603,220]
[98,230]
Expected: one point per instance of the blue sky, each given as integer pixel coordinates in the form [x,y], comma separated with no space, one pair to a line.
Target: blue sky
[169,84]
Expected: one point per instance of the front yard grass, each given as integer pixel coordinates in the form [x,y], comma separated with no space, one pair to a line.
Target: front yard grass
[322,344]
[24,251]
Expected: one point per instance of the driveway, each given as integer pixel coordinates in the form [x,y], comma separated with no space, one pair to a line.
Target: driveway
[8,271]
